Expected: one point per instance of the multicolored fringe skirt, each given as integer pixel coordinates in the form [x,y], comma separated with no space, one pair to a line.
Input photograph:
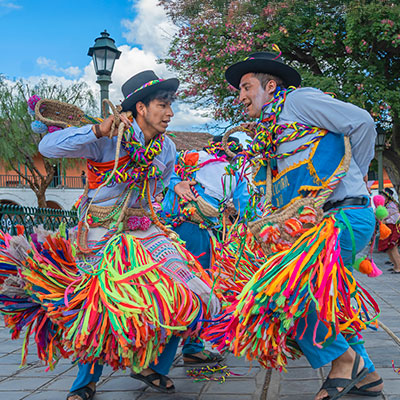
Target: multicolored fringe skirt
[119,307]
[264,299]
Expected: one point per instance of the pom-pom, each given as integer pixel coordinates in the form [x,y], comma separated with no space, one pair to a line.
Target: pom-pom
[357,263]
[366,267]
[38,127]
[384,231]
[32,101]
[293,226]
[378,200]
[270,233]
[381,213]
[54,128]
[307,215]
[133,223]
[145,223]
[375,270]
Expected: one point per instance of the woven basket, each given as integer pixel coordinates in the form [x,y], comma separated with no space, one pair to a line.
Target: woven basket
[102,212]
[279,219]
[57,113]
[203,210]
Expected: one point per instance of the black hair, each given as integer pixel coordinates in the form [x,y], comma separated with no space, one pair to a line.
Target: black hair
[166,95]
[265,78]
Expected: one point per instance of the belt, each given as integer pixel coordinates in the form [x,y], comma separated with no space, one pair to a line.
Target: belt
[348,201]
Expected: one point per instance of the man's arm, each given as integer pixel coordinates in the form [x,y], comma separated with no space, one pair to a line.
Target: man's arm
[78,142]
[315,108]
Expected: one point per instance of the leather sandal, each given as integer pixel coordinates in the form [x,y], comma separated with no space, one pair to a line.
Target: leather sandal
[149,379]
[211,357]
[362,390]
[331,385]
[85,393]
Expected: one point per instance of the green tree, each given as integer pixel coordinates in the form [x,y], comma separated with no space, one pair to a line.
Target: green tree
[350,48]
[18,143]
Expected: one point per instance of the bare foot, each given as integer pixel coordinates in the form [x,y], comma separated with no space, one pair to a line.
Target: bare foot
[341,368]
[92,386]
[371,377]
[156,382]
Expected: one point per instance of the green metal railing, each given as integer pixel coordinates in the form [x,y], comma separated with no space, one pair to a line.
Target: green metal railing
[29,217]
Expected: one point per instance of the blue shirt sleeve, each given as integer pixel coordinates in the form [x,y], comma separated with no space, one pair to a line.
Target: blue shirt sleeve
[71,142]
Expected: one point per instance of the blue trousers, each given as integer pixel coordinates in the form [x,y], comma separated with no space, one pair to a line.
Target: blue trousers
[362,221]
[197,242]
[163,366]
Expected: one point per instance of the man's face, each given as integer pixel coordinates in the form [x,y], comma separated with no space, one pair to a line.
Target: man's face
[156,117]
[252,95]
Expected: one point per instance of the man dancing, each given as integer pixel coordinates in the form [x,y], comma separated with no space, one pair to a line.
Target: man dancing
[266,85]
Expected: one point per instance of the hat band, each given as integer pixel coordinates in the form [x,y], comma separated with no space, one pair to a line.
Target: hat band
[147,84]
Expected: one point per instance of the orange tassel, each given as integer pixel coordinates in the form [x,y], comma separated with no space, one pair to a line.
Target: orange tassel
[366,267]
[384,231]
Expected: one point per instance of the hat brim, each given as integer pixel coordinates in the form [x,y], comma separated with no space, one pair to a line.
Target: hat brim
[235,72]
[170,84]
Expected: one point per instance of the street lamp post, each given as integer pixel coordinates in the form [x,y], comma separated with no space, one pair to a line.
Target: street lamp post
[104,53]
[380,145]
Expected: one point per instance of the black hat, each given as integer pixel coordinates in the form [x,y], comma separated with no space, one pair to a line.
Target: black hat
[265,62]
[143,84]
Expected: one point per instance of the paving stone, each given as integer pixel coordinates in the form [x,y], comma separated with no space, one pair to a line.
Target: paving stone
[163,396]
[225,397]
[188,386]
[118,395]
[299,373]
[47,395]
[40,371]
[233,387]
[387,373]
[392,387]
[300,362]
[13,395]
[10,369]
[352,397]
[299,396]
[22,383]
[122,383]
[304,386]
[60,383]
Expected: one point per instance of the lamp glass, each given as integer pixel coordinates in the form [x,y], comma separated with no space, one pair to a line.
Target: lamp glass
[104,61]
[380,138]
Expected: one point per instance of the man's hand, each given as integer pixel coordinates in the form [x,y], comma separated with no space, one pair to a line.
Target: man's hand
[104,129]
[184,190]
[250,126]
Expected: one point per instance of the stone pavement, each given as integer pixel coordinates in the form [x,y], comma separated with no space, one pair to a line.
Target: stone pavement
[252,383]
[33,383]
[301,382]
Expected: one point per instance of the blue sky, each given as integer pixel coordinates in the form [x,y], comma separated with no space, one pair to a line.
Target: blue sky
[57,30]
[50,39]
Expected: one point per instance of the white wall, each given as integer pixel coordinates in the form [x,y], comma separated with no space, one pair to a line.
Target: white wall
[66,198]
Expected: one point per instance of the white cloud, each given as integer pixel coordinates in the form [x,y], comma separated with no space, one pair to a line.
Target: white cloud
[47,63]
[151,28]
[150,32]
[9,5]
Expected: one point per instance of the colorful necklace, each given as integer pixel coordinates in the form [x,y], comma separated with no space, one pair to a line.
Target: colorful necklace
[135,168]
[269,133]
